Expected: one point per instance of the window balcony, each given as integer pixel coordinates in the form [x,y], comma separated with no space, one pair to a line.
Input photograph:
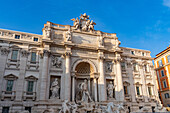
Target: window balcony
[140,98]
[152,98]
[128,97]
[8,95]
[29,95]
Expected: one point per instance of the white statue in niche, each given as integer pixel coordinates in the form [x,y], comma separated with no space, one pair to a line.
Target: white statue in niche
[65,108]
[110,89]
[55,89]
[84,90]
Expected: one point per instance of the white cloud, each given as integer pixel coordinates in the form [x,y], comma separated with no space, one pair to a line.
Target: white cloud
[166,3]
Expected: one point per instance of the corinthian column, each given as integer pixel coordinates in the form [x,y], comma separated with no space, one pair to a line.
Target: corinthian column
[44,77]
[119,91]
[67,77]
[102,81]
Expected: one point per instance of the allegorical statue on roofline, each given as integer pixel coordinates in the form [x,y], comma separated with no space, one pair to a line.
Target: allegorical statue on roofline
[83,23]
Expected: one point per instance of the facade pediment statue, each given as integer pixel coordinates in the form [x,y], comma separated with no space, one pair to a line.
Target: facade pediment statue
[83,23]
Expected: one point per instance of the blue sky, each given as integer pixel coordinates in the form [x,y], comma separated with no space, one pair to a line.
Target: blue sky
[142,24]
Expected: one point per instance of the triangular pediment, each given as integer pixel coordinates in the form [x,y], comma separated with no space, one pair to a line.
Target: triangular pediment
[10,76]
[31,77]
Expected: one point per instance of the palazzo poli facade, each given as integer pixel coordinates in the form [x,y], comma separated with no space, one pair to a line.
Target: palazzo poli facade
[76,69]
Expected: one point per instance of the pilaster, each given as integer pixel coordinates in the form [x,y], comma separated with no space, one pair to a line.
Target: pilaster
[3,59]
[119,91]
[67,78]
[44,76]
[21,78]
[102,80]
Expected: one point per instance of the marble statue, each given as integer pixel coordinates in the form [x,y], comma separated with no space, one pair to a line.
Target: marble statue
[74,107]
[55,89]
[91,25]
[110,107]
[85,27]
[119,108]
[68,35]
[160,108]
[65,108]
[57,62]
[76,23]
[110,89]
[85,93]
[47,31]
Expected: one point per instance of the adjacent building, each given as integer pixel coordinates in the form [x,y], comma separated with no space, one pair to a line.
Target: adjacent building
[68,64]
[162,68]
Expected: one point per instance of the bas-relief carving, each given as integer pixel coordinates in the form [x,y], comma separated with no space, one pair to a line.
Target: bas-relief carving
[109,66]
[57,61]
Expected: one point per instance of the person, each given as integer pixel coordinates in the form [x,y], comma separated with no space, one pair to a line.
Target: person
[55,89]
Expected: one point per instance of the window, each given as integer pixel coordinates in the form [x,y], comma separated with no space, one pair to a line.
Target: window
[132,52]
[143,54]
[9,85]
[30,86]
[168,57]
[17,36]
[14,55]
[150,90]
[5,109]
[36,39]
[164,83]
[28,109]
[33,57]
[166,95]
[126,90]
[160,63]
[137,90]
[162,73]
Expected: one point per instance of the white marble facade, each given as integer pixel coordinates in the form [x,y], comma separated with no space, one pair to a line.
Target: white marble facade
[73,68]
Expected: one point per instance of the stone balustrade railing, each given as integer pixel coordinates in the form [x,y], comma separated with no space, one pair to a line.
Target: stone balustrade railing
[8,94]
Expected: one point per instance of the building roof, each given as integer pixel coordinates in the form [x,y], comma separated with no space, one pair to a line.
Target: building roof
[163,52]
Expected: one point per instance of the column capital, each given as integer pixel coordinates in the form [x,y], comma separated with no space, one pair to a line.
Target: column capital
[67,54]
[46,53]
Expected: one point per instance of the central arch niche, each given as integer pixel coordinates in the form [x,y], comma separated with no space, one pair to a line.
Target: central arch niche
[84,71]
[84,68]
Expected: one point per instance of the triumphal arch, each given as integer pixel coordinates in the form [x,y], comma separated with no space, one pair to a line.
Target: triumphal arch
[74,69]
